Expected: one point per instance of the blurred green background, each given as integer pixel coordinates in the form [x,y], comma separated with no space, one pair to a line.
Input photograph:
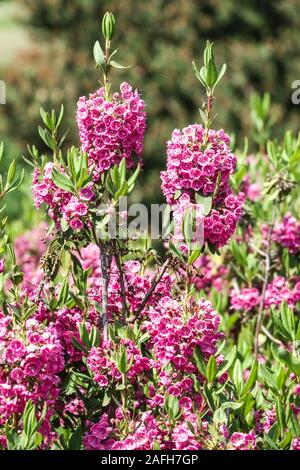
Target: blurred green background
[46,59]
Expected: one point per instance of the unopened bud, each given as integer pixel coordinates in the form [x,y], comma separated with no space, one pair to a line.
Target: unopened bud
[108,25]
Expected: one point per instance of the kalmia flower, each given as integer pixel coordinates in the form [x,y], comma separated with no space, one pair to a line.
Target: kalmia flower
[97,436]
[287,233]
[111,130]
[195,165]
[242,441]
[296,444]
[247,299]
[32,364]
[60,204]
[104,367]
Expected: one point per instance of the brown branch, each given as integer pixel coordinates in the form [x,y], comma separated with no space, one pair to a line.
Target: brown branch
[122,282]
[154,283]
[105,270]
[271,337]
[264,288]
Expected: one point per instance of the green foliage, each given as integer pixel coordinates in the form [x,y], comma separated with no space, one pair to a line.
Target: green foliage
[30,438]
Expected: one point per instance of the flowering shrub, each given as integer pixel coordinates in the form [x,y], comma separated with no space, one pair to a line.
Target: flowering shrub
[106,345]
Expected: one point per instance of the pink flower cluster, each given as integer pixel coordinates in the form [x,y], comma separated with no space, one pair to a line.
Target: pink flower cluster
[175,337]
[61,204]
[183,437]
[31,361]
[97,436]
[66,323]
[287,233]
[29,248]
[247,299]
[264,420]
[111,129]
[198,166]
[296,444]
[193,165]
[145,433]
[76,407]
[282,289]
[278,290]
[242,441]
[102,363]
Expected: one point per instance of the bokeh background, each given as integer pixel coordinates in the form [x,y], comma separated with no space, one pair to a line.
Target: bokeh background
[46,59]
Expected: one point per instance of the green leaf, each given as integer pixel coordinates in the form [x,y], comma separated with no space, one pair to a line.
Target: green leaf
[286,358]
[11,172]
[84,336]
[221,74]
[75,441]
[121,362]
[187,226]
[77,345]
[177,194]
[61,114]
[94,337]
[156,446]
[267,376]
[220,416]
[209,397]
[295,424]
[1,150]
[122,191]
[205,202]
[98,54]
[65,262]
[270,442]
[134,176]
[227,363]
[17,183]
[122,170]
[116,65]
[47,138]
[172,406]
[211,73]
[208,51]
[280,416]
[199,359]
[195,253]
[211,369]
[237,375]
[63,293]
[106,399]
[64,225]
[62,181]
[109,185]
[176,251]
[251,379]
[46,119]
[249,403]
[288,319]
[233,405]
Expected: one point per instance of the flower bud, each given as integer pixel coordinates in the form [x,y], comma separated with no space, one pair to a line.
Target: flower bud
[108,25]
